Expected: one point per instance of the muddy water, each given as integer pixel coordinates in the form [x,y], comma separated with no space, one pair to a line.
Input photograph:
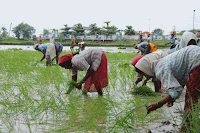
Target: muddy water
[67,48]
[170,120]
[165,124]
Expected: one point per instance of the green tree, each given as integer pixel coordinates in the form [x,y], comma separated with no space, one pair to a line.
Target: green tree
[65,30]
[61,37]
[193,31]
[23,30]
[129,30]
[138,32]
[158,31]
[46,31]
[4,32]
[34,38]
[120,31]
[180,33]
[78,30]
[107,23]
[54,31]
[94,29]
[110,30]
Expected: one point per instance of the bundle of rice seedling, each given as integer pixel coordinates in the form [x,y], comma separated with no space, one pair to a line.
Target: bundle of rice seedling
[122,48]
[124,65]
[143,90]
[71,86]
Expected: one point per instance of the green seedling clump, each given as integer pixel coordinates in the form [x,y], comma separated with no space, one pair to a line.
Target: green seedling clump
[144,90]
[14,49]
[122,48]
[72,85]
[124,65]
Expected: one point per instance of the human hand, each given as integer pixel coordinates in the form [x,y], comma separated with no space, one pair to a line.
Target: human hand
[169,104]
[144,83]
[134,85]
[151,107]
[154,106]
[79,85]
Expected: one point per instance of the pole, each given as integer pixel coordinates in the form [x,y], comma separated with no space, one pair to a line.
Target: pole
[10,29]
[149,25]
[193,21]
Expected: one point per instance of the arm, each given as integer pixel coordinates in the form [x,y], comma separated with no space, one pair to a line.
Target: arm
[145,81]
[74,77]
[56,56]
[59,52]
[90,71]
[139,78]
[168,99]
[44,52]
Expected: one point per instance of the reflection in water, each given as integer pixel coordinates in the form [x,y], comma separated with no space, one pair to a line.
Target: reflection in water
[67,48]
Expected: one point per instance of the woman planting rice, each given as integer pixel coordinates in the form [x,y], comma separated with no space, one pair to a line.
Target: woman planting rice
[48,49]
[172,41]
[187,39]
[175,71]
[146,48]
[94,61]
[153,56]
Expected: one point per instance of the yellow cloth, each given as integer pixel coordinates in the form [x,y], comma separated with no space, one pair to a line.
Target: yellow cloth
[82,42]
[73,41]
[153,47]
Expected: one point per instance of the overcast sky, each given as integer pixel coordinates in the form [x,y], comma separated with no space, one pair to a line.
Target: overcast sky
[143,15]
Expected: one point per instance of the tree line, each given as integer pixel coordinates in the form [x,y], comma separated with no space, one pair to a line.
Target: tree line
[25,31]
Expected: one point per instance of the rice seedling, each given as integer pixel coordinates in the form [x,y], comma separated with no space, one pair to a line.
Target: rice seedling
[144,90]
[72,85]
[122,48]
[33,99]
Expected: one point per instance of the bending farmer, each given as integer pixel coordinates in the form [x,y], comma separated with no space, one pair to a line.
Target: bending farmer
[48,50]
[59,48]
[153,56]
[179,69]
[94,61]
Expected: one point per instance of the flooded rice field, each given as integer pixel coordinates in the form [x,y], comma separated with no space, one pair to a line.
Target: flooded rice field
[67,48]
[33,99]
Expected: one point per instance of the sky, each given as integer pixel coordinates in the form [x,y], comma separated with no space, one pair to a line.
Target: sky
[142,15]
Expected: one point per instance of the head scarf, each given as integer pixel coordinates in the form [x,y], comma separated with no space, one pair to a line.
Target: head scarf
[187,36]
[35,45]
[136,59]
[135,46]
[153,47]
[65,58]
[148,63]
